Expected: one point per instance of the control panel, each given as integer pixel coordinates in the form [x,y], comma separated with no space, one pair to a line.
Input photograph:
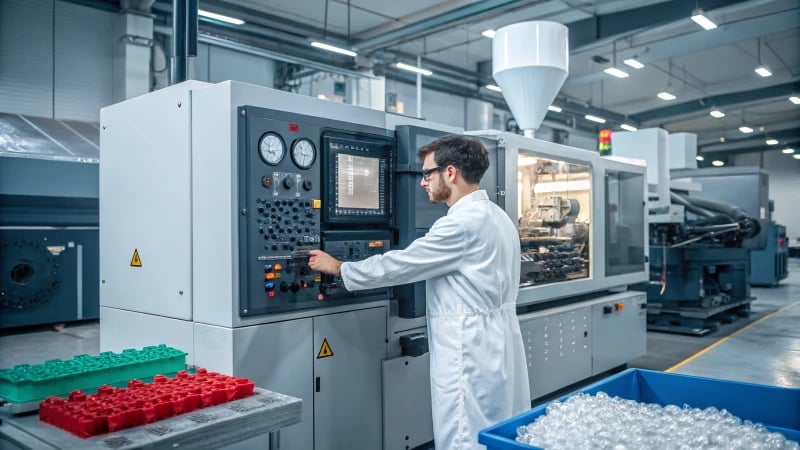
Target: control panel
[283,191]
[353,246]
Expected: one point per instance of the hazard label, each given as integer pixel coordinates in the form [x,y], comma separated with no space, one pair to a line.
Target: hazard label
[135,260]
[325,350]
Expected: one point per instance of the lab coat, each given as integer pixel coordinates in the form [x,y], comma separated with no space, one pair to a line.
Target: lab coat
[471,261]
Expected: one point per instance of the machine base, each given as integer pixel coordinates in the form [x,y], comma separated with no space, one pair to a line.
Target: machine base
[695,321]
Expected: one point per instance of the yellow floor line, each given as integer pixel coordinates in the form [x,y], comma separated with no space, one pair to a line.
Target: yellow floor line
[691,358]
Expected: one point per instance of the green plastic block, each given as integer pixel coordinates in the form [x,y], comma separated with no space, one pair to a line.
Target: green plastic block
[26,383]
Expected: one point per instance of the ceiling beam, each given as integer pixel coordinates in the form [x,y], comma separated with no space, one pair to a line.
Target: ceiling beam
[705,104]
[701,40]
[752,149]
[784,132]
[587,31]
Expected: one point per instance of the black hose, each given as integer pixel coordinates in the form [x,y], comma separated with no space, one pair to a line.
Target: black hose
[681,200]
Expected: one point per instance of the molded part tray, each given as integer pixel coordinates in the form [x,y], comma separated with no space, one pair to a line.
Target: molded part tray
[113,409]
[776,408]
[25,383]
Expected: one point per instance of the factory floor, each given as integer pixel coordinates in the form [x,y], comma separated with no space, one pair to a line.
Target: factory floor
[763,348]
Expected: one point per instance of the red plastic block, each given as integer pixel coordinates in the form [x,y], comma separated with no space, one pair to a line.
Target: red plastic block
[113,409]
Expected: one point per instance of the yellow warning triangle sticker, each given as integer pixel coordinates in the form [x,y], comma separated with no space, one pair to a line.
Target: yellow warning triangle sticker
[325,350]
[135,260]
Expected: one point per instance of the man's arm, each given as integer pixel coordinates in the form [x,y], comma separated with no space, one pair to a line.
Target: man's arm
[437,253]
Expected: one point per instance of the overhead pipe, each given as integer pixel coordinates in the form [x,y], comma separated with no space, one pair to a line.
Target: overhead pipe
[184,40]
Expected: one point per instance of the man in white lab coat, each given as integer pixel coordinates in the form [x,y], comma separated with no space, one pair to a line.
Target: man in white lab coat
[471,261]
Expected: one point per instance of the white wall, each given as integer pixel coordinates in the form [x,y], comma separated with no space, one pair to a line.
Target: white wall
[215,64]
[784,185]
[56,59]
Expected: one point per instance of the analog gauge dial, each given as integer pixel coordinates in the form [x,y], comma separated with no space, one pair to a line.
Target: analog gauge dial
[304,153]
[271,148]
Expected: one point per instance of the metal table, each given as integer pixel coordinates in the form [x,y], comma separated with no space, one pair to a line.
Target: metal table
[263,413]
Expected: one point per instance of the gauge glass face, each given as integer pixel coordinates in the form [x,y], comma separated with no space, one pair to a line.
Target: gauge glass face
[271,148]
[304,153]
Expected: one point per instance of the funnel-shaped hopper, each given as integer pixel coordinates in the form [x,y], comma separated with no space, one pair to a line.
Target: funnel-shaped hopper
[530,61]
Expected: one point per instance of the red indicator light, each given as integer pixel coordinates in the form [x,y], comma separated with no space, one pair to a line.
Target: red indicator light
[294,127]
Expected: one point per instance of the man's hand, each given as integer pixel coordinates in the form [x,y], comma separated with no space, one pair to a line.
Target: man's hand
[323,262]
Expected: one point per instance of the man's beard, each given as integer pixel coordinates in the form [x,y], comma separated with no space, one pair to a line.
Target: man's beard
[441,192]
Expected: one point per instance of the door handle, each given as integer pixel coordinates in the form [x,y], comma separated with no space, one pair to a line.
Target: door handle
[317,384]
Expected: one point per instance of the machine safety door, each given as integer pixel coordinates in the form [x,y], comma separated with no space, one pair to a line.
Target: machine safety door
[348,350]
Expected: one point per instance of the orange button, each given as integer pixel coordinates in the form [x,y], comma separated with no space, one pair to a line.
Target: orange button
[317,204]
[620,306]
[278,266]
[269,276]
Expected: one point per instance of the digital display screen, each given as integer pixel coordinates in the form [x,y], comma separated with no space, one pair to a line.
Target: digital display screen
[358,182]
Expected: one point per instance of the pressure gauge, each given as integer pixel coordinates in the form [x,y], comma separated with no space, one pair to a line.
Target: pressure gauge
[304,153]
[271,148]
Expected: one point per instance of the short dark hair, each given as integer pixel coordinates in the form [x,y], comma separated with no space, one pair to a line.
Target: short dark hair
[466,154]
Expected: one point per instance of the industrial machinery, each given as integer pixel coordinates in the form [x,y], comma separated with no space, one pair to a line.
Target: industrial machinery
[236,183]
[699,241]
[49,258]
[771,265]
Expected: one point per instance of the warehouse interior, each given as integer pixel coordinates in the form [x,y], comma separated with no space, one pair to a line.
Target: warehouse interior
[169,169]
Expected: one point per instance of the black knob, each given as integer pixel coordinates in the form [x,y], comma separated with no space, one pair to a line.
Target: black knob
[274,246]
[284,286]
[294,209]
[288,183]
[260,210]
[261,230]
[295,287]
[307,185]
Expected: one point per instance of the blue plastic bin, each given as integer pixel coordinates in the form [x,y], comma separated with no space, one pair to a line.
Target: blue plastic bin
[777,408]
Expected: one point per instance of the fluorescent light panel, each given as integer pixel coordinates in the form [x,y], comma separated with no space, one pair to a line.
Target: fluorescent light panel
[627,127]
[795,100]
[614,72]
[717,113]
[414,69]
[554,108]
[333,48]
[220,17]
[787,151]
[489,33]
[703,21]
[772,142]
[699,158]
[594,118]
[763,71]
[717,163]
[493,87]
[745,129]
[796,156]
[666,96]
[634,63]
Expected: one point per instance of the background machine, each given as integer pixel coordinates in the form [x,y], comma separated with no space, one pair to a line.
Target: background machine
[236,183]
[49,271]
[703,225]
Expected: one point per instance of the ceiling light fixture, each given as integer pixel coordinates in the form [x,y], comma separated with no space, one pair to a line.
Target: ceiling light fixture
[699,158]
[613,71]
[772,142]
[787,151]
[414,69]
[745,129]
[717,113]
[333,48]
[717,163]
[666,96]
[763,71]
[795,99]
[699,18]
[634,63]
[796,156]
[627,127]
[493,87]
[219,17]
[594,118]
[489,33]
[554,108]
